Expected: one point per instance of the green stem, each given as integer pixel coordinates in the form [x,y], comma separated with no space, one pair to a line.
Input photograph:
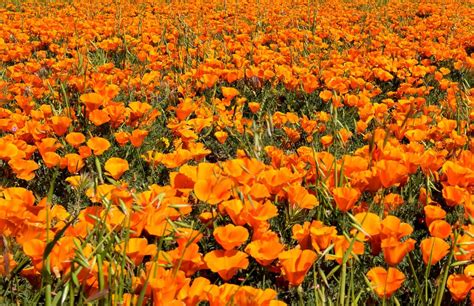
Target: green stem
[417,282]
[101,273]
[71,293]
[442,287]
[342,287]
[48,295]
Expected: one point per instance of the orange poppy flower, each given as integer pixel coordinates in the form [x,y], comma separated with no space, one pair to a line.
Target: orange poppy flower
[187,258]
[211,187]
[196,292]
[254,107]
[60,124]
[384,282]
[122,138]
[184,236]
[226,263]
[325,95]
[433,249]
[257,213]
[265,249]
[391,172]
[206,217]
[115,167]
[391,226]
[51,159]
[165,285]
[459,286]
[345,197]
[433,213]
[185,108]
[136,249]
[229,93]
[74,181]
[392,201]
[341,246]
[455,195]
[327,140]
[300,197]
[98,145]
[221,136]
[234,208]
[9,151]
[296,263]
[469,270]
[301,234]
[464,246]
[98,117]
[321,235]
[84,152]
[48,145]
[23,169]
[73,162]
[34,248]
[75,139]
[247,295]
[370,223]
[457,174]
[209,80]
[230,236]
[257,191]
[138,137]
[440,228]
[394,251]
[344,135]
[92,101]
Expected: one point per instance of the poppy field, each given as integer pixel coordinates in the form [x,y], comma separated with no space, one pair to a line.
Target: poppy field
[236,152]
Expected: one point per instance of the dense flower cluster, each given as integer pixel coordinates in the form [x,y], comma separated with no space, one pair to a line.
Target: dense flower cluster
[242,152]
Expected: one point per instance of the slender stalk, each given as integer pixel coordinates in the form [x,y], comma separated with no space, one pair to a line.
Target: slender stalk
[48,295]
[101,272]
[442,287]
[417,282]
[342,287]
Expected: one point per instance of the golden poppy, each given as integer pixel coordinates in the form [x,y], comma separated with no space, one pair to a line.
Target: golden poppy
[60,124]
[265,249]
[433,213]
[99,117]
[296,263]
[211,186]
[75,139]
[226,263]
[221,136]
[394,251]
[138,137]
[433,249]
[300,197]
[98,145]
[391,172]
[230,236]
[23,169]
[440,228]
[459,286]
[321,235]
[391,226]
[115,167]
[385,283]
[345,197]
[229,93]
[51,159]
[92,101]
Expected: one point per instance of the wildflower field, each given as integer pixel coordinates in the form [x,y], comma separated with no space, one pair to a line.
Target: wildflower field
[236,152]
